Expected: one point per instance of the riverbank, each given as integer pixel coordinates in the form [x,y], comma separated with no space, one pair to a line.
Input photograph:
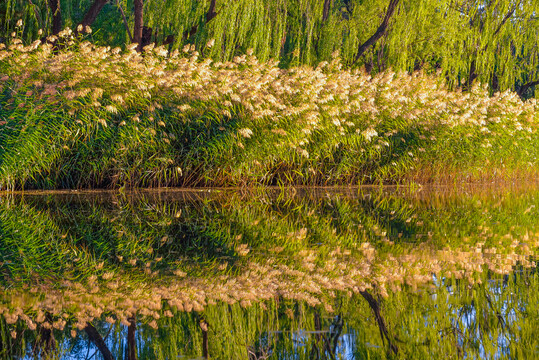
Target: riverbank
[92,117]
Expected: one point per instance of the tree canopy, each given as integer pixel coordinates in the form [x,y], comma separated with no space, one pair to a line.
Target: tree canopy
[466,41]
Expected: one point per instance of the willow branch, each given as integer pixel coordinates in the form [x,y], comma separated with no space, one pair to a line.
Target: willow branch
[327,6]
[37,14]
[131,340]
[375,307]
[125,21]
[98,341]
[505,18]
[380,31]
[211,11]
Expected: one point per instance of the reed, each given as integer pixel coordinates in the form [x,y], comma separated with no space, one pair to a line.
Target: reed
[85,116]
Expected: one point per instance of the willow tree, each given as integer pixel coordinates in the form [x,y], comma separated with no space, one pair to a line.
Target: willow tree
[492,41]
[468,41]
[296,31]
[49,16]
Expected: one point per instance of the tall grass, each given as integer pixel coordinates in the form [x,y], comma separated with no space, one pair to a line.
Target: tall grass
[86,116]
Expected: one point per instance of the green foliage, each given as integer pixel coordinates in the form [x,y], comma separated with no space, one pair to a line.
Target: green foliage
[91,117]
[491,41]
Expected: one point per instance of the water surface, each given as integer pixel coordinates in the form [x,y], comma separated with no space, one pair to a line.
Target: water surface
[334,273]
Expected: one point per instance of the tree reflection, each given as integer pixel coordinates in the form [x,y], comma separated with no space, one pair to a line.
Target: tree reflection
[256,276]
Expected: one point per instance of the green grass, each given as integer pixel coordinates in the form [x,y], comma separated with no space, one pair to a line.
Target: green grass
[90,117]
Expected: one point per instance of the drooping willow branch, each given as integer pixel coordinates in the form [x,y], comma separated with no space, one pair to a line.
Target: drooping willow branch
[98,341]
[375,307]
[379,32]
[125,21]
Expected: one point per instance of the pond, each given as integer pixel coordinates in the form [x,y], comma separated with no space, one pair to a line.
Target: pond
[326,273]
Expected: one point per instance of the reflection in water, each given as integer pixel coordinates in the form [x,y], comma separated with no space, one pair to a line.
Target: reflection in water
[303,274]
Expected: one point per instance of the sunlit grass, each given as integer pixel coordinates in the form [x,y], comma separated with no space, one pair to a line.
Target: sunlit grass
[87,116]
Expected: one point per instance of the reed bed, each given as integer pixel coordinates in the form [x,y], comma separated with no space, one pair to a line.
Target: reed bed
[78,115]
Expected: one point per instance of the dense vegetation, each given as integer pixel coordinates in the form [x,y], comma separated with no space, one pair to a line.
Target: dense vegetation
[482,321]
[89,116]
[213,93]
[138,93]
[490,41]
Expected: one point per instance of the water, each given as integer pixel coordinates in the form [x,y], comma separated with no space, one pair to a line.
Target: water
[341,273]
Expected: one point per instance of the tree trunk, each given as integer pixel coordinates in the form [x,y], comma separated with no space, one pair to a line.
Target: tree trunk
[375,307]
[495,84]
[205,345]
[98,341]
[325,14]
[131,341]
[146,36]
[139,23]
[209,16]
[56,16]
[523,89]
[92,13]
[472,75]
[315,352]
[380,31]
[335,333]
[46,342]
